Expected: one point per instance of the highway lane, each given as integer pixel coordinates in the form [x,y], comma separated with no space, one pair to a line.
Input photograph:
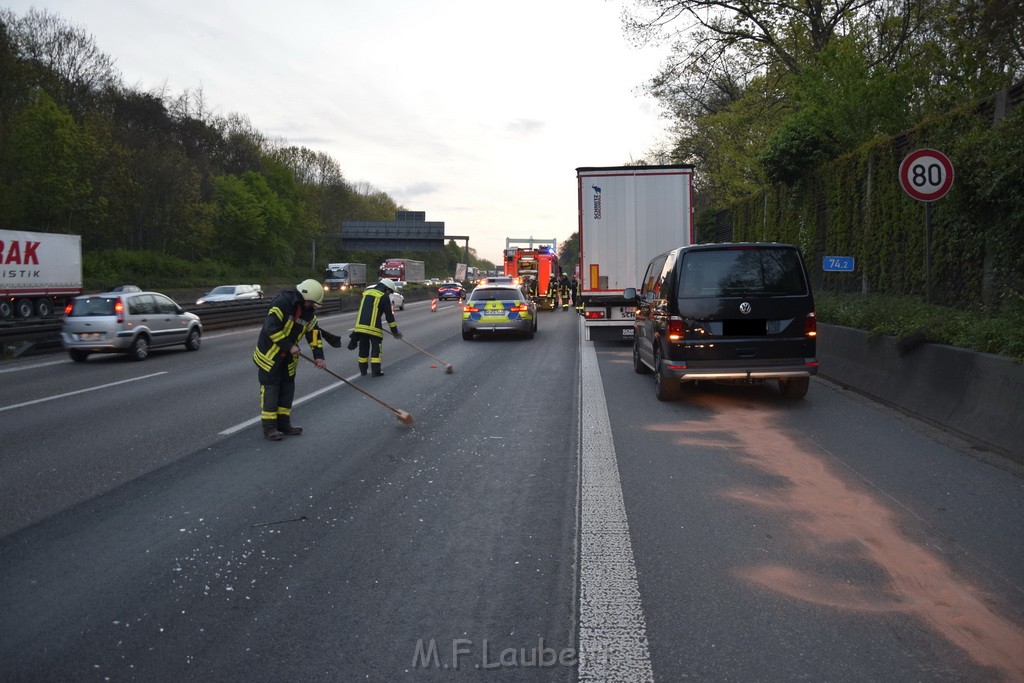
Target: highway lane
[828,538]
[824,539]
[89,427]
[364,548]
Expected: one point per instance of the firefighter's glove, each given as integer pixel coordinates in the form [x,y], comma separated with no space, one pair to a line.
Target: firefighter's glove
[332,339]
[398,335]
[353,341]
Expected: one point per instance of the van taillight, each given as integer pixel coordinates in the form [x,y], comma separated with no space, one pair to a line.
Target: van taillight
[593,315]
[676,330]
[119,310]
[470,309]
[67,309]
[811,325]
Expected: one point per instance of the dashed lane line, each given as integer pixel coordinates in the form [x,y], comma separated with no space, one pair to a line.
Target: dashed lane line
[80,391]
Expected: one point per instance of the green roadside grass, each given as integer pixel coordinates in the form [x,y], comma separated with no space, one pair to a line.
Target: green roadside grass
[906,317]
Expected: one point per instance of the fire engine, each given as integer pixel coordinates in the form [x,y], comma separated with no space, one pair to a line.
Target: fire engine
[538,265]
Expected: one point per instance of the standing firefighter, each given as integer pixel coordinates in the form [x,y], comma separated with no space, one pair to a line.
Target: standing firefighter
[368,333]
[565,290]
[291,316]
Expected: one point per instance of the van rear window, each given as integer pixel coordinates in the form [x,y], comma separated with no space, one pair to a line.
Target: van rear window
[764,271]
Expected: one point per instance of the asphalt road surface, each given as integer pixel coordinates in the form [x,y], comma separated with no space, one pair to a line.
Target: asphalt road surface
[543,518]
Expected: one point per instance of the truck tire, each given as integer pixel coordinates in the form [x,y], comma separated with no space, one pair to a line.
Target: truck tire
[43,307]
[6,309]
[23,308]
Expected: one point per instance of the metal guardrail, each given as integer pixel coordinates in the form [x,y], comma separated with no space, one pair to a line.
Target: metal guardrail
[42,335]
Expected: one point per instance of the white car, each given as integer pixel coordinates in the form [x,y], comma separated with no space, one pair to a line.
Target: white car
[397,301]
[230,293]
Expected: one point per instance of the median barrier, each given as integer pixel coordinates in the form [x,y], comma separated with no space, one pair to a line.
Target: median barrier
[977,395]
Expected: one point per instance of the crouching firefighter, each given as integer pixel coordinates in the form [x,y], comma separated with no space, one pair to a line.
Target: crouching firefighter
[290,318]
[368,334]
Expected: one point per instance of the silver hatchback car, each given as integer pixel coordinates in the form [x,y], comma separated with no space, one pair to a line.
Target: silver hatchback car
[127,322]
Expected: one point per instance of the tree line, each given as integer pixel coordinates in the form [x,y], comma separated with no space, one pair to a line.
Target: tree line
[156,180]
[763,91]
[797,113]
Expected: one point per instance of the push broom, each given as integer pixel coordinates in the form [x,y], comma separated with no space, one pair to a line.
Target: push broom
[448,369]
[403,417]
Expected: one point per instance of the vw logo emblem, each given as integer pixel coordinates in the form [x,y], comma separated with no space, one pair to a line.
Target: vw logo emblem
[745,308]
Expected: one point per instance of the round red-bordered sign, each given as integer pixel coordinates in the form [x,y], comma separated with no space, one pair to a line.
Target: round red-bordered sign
[926,175]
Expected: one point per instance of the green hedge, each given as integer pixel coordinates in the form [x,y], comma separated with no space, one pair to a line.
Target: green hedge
[855,206]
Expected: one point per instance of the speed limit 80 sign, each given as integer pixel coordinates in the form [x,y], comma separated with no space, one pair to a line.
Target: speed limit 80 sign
[926,175]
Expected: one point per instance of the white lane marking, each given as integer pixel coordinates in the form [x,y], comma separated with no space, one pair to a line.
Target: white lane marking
[80,391]
[33,366]
[613,631]
[248,423]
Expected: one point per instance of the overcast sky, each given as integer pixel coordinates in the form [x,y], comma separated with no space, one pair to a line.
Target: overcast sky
[476,112]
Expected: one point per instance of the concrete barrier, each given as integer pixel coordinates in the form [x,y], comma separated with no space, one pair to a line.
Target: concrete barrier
[978,395]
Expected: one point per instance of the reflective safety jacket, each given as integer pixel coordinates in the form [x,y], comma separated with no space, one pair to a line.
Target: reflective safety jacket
[281,332]
[376,302]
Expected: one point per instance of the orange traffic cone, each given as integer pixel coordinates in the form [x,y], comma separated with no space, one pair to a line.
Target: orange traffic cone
[433,305]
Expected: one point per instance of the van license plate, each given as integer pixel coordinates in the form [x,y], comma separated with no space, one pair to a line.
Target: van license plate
[89,336]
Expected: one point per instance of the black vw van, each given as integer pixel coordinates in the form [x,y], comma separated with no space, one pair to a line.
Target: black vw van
[736,312]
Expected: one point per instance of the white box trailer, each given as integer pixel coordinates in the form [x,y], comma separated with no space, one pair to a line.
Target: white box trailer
[39,272]
[627,215]
[339,277]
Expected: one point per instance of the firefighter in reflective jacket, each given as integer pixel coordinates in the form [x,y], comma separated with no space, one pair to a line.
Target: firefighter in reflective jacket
[565,289]
[530,287]
[368,333]
[290,318]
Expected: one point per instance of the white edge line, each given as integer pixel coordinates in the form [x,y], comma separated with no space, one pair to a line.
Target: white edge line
[80,391]
[612,629]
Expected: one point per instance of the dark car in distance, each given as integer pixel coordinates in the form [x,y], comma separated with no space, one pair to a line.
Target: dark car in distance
[739,313]
[451,290]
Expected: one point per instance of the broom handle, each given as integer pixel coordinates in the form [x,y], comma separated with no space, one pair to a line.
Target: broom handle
[359,389]
[403,339]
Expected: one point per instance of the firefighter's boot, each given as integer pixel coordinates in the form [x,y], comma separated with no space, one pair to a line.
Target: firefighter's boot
[284,425]
[363,367]
[376,370]
[270,431]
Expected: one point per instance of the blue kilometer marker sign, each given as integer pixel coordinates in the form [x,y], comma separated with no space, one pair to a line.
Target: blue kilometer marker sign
[838,263]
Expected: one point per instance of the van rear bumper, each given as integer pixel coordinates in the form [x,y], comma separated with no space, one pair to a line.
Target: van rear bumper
[685,373]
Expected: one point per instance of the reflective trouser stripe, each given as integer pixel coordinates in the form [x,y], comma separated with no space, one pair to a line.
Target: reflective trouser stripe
[277,392]
[370,349]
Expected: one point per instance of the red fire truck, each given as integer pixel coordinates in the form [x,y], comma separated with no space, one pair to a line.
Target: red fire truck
[537,270]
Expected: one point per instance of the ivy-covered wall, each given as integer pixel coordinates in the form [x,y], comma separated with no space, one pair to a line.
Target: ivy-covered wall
[855,206]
